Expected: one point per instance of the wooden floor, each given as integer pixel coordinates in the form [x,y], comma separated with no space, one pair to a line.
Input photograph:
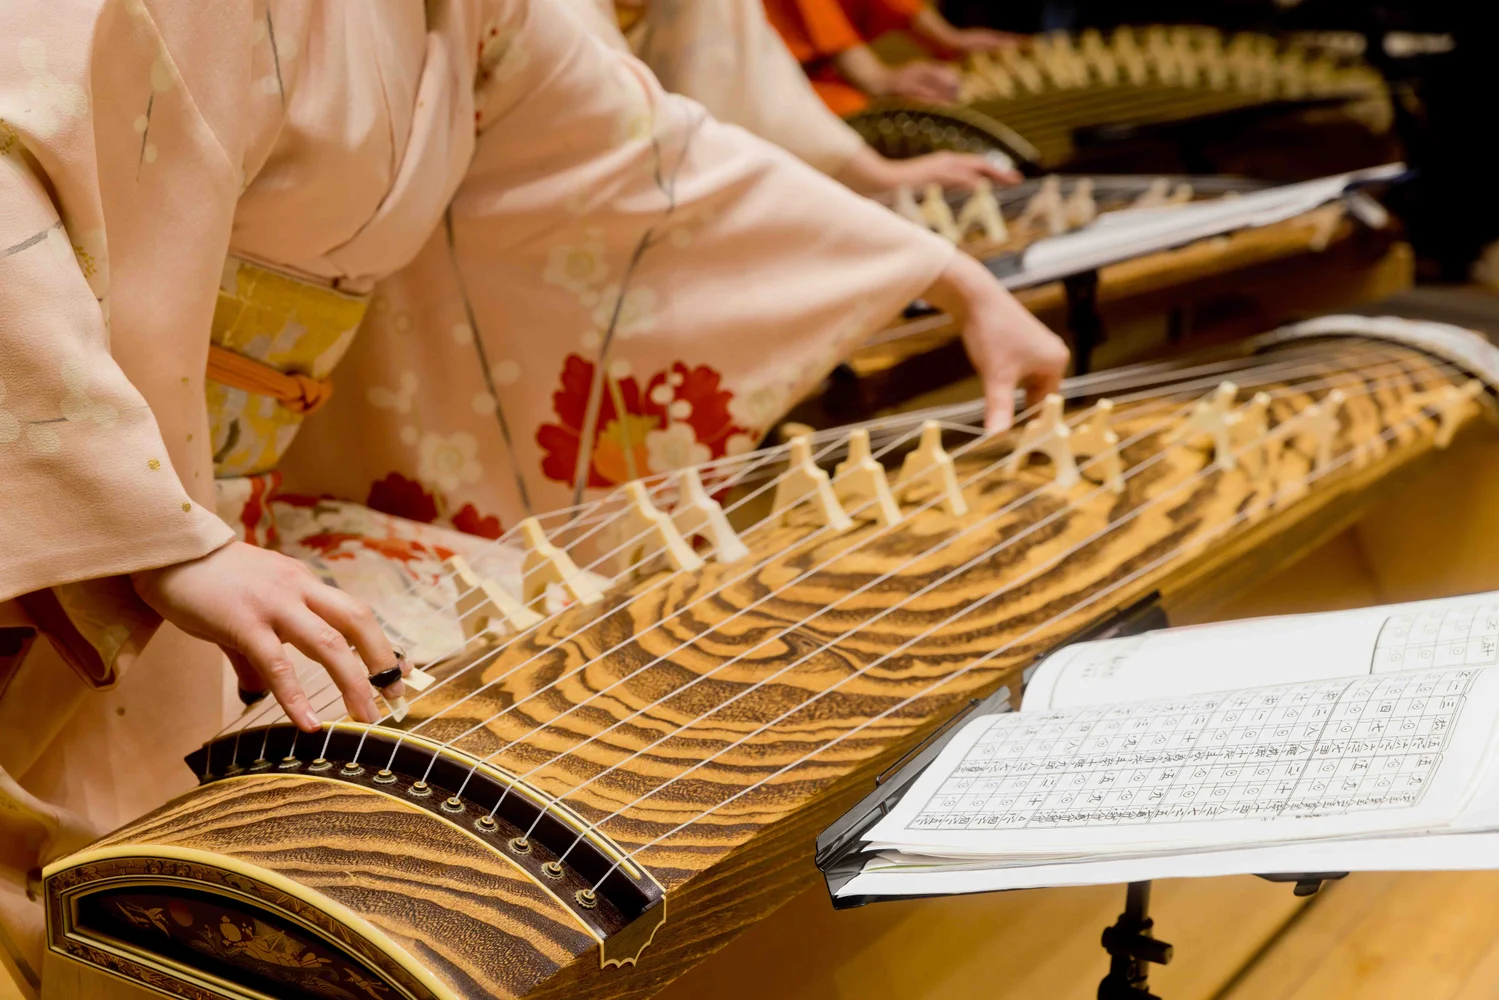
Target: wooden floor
[1379,936]
[1427,936]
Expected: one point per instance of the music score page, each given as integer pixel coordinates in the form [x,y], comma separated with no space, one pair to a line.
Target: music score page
[1452,632]
[1324,759]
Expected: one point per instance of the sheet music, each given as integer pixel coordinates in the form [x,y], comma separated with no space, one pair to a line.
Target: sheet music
[1461,631]
[1320,759]
[1117,236]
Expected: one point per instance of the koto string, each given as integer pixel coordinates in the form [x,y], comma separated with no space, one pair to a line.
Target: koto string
[1387,435]
[977,476]
[719,707]
[768,456]
[958,571]
[970,407]
[460,736]
[322,689]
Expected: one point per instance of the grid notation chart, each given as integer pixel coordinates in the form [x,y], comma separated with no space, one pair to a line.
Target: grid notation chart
[1464,636]
[1326,748]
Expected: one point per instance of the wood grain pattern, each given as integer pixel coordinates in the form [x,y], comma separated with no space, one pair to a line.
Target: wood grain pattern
[842,623]
[449,901]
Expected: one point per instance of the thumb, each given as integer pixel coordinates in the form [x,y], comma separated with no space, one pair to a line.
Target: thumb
[251,687]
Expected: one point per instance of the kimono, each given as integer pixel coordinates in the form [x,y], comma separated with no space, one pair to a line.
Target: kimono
[725,55]
[536,273]
[817,30]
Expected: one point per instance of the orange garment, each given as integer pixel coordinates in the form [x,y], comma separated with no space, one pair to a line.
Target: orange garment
[817,30]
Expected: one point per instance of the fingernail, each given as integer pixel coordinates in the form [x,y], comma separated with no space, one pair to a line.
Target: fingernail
[310,722]
[398,708]
[419,680]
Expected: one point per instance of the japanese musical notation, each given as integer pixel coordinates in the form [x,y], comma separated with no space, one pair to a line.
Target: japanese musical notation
[1462,636]
[1316,749]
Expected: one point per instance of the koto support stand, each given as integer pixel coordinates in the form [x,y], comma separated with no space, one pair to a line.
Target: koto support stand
[1132,949]
[1083,318]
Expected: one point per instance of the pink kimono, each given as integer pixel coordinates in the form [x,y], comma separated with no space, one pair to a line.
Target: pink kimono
[561,277]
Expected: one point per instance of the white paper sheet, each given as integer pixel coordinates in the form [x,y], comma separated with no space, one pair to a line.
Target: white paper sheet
[1338,758]
[1457,631]
[1117,236]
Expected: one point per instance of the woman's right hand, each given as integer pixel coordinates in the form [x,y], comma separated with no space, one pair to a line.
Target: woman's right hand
[1008,346]
[252,603]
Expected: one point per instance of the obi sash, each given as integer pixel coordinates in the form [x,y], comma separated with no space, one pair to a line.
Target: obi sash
[276,339]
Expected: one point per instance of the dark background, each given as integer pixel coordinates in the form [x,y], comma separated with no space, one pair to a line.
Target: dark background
[1445,103]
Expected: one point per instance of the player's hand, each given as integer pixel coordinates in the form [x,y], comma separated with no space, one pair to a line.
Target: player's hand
[951,170]
[929,82]
[1008,346]
[252,603]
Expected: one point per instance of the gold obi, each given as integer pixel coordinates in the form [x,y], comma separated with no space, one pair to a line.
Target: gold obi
[276,338]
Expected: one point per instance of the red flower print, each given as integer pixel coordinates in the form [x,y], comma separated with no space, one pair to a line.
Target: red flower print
[468,519]
[333,545]
[405,549]
[690,396]
[299,499]
[330,544]
[257,510]
[395,494]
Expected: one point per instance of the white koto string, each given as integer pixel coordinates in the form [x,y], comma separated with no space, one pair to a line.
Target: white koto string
[460,736]
[773,455]
[832,643]
[808,573]
[645,710]
[1389,434]
[1181,387]
[1344,376]
[720,667]
[835,439]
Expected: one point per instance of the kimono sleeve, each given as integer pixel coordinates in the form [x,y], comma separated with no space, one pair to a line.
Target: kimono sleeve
[725,55]
[737,239]
[89,490]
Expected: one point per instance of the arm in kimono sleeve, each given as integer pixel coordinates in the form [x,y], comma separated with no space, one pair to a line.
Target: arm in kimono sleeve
[725,55]
[729,240]
[87,490]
